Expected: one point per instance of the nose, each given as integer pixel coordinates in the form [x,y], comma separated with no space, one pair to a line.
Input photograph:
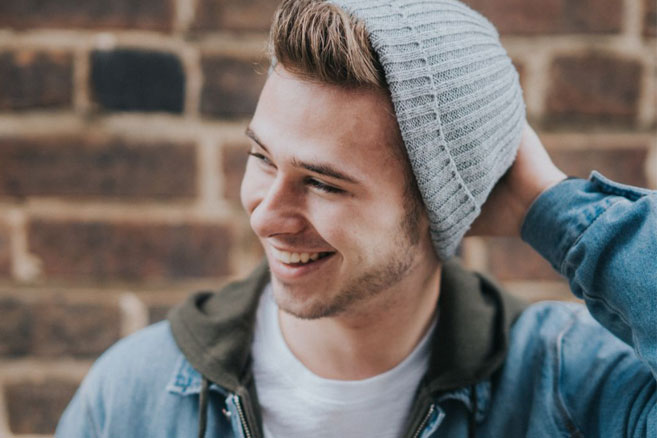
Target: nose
[278,211]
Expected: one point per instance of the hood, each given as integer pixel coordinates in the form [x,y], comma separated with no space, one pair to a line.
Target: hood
[215,330]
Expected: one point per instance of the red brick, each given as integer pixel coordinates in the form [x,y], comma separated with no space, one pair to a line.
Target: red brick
[35,407]
[511,259]
[16,327]
[626,165]
[593,89]
[53,326]
[231,86]
[532,17]
[35,80]
[233,165]
[157,312]
[5,251]
[81,167]
[124,251]
[64,328]
[234,15]
[89,14]
[520,67]
[650,18]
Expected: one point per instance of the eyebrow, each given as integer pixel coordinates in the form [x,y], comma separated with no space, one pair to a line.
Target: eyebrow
[319,168]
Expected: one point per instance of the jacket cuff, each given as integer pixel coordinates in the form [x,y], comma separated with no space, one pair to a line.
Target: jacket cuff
[559,216]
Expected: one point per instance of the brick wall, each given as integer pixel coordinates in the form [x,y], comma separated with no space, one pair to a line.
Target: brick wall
[121,152]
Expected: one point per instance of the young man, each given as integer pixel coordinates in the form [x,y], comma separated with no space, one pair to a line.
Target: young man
[382,129]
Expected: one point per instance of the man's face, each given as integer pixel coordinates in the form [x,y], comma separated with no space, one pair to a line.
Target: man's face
[327,197]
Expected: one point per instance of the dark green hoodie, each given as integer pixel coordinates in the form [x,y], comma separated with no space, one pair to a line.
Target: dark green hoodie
[215,331]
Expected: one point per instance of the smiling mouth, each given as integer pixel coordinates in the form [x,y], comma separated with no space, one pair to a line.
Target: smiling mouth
[298,258]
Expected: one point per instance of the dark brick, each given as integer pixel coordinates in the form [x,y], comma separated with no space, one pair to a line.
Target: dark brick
[593,89]
[650,18]
[84,167]
[16,327]
[137,80]
[35,407]
[35,80]
[231,86]
[511,259]
[233,165]
[234,15]
[5,249]
[105,252]
[624,165]
[90,14]
[64,328]
[53,327]
[533,17]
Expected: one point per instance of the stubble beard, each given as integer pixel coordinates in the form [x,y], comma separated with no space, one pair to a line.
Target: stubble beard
[368,284]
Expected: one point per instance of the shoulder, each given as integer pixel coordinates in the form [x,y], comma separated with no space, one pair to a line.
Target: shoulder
[136,368]
[560,350]
[151,348]
[566,331]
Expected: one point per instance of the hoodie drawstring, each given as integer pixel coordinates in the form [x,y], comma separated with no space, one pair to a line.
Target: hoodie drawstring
[203,408]
[472,429]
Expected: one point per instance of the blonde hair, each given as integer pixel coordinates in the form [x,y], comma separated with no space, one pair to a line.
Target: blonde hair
[318,41]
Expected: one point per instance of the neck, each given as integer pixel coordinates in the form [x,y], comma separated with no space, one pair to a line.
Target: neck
[372,339]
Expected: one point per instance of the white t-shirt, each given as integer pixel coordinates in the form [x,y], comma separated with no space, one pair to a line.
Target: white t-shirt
[297,403]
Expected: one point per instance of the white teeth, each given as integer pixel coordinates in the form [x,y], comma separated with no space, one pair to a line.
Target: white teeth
[284,256]
[294,257]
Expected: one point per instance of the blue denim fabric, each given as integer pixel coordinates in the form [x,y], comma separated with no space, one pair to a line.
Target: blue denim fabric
[565,374]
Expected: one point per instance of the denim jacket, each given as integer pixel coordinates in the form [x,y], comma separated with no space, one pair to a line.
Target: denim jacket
[567,370]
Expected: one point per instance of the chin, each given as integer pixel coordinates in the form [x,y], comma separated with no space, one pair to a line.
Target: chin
[303,305]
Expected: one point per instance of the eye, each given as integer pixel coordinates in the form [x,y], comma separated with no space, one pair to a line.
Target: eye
[323,187]
[266,161]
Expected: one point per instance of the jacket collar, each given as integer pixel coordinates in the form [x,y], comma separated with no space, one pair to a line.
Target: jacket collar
[214,331]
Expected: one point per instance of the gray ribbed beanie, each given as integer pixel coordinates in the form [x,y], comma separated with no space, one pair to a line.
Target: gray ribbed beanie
[457,100]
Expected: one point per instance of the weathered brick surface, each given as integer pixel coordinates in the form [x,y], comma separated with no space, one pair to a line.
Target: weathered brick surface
[84,167]
[520,68]
[35,407]
[103,252]
[531,17]
[626,165]
[593,89]
[64,328]
[234,15]
[157,312]
[5,251]
[137,80]
[35,79]
[16,327]
[231,86]
[54,326]
[233,166]
[94,14]
[650,18]
[511,259]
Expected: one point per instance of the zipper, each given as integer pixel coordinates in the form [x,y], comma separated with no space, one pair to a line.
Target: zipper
[240,413]
[424,422]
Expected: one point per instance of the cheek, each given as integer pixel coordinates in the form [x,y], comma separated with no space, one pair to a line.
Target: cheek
[353,226]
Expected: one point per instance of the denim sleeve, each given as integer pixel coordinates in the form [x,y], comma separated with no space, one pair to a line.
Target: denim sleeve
[602,236]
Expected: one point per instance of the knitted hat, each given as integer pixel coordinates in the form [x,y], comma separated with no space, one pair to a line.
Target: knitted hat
[457,100]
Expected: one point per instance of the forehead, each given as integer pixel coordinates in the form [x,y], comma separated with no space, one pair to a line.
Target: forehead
[302,118]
